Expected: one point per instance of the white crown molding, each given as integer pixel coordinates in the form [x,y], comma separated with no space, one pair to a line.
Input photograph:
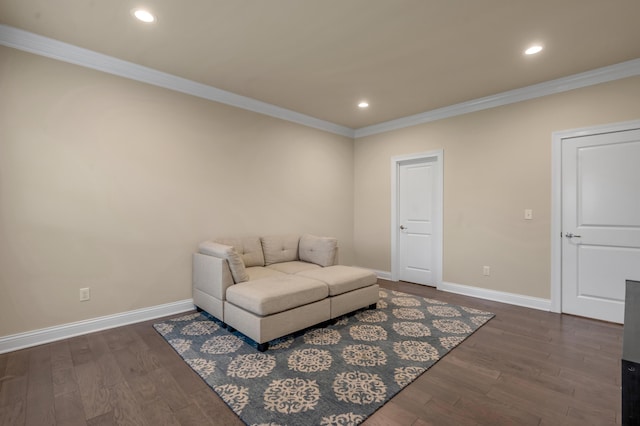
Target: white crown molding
[564,84]
[65,331]
[497,296]
[44,46]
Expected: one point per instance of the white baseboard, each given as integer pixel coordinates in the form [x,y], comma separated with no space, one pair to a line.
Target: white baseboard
[381,274]
[497,296]
[483,293]
[64,331]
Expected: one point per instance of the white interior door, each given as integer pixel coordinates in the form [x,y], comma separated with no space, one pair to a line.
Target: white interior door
[600,222]
[416,213]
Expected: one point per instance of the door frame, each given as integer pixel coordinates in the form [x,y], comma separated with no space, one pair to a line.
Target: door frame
[556,197]
[437,157]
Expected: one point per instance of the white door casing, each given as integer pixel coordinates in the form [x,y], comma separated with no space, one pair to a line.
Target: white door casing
[416,228]
[596,234]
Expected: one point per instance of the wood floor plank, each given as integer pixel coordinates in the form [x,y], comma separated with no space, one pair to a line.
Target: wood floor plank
[129,363]
[60,355]
[109,369]
[186,378]
[4,359]
[393,414]
[98,344]
[69,410]
[14,413]
[94,392]
[106,419]
[126,410]
[522,388]
[12,390]
[169,389]
[40,398]
[80,350]
[64,381]
[144,389]
[158,412]
[523,402]
[493,412]
[432,386]
[13,384]
[118,338]
[440,413]
[192,415]
[214,408]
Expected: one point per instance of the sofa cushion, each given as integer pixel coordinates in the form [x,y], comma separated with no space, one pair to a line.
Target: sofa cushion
[341,279]
[318,250]
[293,267]
[260,272]
[280,248]
[250,248]
[238,271]
[276,294]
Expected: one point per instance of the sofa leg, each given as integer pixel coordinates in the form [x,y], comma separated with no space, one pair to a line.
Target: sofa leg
[373,306]
[230,329]
[263,346]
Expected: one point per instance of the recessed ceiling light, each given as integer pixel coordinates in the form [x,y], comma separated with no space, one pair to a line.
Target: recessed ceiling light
[363,104]
[144,15]
[533,49]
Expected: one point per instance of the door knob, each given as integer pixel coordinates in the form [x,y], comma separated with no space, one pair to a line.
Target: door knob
[570,235]
[402,227]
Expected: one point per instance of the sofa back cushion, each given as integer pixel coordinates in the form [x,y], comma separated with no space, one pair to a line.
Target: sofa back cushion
[249,248]
[318,250]
[236,265]
[280,248]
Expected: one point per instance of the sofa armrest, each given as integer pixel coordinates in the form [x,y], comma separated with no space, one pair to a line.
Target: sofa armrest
[211,275]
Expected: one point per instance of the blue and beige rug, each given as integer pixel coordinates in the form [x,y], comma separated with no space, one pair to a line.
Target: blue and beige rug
[336,375]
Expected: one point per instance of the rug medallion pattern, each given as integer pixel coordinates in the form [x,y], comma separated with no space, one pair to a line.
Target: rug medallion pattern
[336,375]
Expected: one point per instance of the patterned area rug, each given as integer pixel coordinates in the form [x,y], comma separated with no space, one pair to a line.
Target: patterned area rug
[336,375]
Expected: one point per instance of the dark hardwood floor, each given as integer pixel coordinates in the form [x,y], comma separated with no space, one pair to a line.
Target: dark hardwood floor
[524,367]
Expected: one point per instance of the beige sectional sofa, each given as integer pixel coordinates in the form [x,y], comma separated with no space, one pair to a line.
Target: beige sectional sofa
[268,287]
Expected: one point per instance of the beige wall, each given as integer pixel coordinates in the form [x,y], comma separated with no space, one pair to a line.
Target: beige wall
[496,163]
[109,184]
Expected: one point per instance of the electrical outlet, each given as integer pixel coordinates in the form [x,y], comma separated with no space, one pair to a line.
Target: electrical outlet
[486,271]
[528,214]
[85,294]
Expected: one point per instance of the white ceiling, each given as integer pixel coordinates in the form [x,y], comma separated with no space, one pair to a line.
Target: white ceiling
[321,57]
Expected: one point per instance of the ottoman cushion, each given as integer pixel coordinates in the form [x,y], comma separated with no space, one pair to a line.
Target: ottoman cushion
[340,278]
[276,294]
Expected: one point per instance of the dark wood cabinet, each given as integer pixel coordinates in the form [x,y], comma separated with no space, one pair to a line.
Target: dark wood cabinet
[631,356]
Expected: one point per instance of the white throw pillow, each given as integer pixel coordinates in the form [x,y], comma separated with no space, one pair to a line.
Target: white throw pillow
[318,250]
[238,271]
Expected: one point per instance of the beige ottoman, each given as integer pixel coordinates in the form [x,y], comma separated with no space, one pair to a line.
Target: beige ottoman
[350,288]
[273,307]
